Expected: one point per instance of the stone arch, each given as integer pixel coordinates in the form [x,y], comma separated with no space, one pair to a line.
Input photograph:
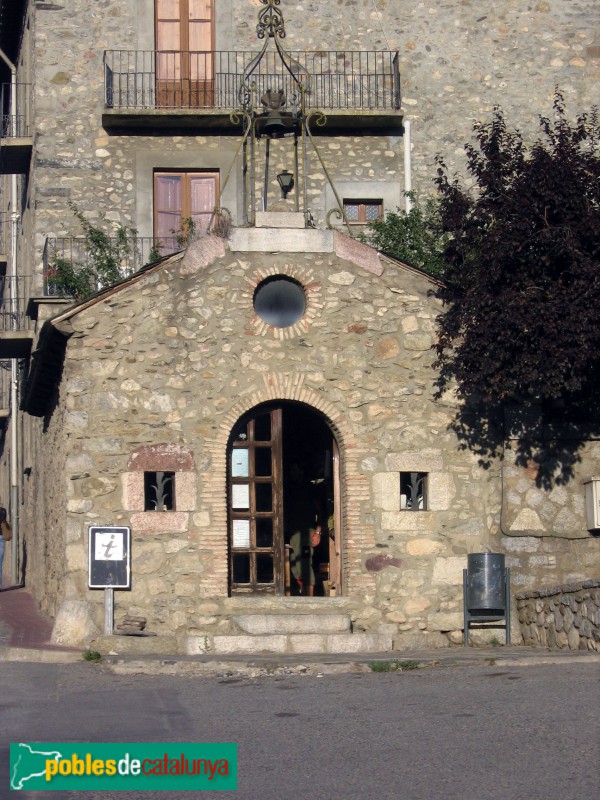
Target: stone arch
[359,535]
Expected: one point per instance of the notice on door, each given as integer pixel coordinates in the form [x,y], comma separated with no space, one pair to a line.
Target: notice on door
[239,463]
[240,495]
[241,533]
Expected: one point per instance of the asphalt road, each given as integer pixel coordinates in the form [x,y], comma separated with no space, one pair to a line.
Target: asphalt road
[453,733]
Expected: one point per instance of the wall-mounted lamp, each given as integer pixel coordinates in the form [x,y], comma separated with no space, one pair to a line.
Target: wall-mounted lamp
[286,180]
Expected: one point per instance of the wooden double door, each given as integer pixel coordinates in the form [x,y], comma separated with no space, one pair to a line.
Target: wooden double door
[283,476]
[185,54]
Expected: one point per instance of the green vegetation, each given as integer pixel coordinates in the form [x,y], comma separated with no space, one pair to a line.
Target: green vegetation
[393,666]
[415,237]
[91,655]
[103,261]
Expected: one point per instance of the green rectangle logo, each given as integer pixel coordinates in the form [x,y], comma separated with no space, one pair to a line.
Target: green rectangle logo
[76,766]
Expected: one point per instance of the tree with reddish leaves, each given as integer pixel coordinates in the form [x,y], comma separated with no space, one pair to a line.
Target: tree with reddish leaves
[521,328]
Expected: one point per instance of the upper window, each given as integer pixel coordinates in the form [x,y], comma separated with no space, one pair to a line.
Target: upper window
[183,205]
[361,212]
[184,63]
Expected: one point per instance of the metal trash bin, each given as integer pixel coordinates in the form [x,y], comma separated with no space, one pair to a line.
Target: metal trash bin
[486,582]
[486,591]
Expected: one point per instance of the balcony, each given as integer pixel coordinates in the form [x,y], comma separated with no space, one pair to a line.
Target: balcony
[16,141]
[119,257]
[176,91]
[15,335]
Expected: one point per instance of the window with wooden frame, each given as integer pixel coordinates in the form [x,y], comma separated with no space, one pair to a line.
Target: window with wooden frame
[183,205]
[185,53]
[361,212]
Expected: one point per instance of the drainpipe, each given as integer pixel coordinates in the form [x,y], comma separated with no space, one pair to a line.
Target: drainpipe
[14,368]
[407,168]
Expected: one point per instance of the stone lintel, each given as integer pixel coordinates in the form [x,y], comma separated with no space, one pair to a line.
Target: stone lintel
[415,461]
[280,219]
[280,240]
[161,457]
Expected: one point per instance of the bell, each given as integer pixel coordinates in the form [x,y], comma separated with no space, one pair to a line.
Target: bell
[274,126]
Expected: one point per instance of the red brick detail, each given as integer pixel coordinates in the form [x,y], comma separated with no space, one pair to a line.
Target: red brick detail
[357,536]
[160,458]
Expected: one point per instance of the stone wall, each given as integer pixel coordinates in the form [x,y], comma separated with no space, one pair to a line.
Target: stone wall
[174,361]
[562,617]
[457,61]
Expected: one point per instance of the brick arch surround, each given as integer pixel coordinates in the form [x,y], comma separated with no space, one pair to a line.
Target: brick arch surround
[358,538]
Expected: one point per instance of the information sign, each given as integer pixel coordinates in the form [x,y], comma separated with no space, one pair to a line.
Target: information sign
[109,557]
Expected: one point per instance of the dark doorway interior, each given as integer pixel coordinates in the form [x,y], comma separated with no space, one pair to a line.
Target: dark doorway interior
[282,482]
[308,497]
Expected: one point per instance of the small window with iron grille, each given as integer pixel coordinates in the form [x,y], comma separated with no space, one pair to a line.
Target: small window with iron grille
[159,491]
[413,491]
[361,212]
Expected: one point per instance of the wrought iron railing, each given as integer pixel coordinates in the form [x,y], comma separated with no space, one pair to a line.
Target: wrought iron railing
[360,80]
[15,121]
[13,302]
[127,255]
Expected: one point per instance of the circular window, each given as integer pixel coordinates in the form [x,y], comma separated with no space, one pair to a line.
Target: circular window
[279,301]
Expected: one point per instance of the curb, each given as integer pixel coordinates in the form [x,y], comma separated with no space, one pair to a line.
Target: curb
[269,667]
[39,656]
[311,665]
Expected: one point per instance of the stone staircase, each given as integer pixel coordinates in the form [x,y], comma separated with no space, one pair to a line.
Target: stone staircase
[287,633]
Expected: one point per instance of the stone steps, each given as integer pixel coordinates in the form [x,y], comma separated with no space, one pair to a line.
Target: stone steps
[268,624]
[246,644]
[282,633]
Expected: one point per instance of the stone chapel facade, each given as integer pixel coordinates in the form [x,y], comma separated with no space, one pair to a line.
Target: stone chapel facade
[141,406]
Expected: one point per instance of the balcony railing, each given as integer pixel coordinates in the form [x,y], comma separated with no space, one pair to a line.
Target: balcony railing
[367,80]
[15,122]
[127,256]
[13,301]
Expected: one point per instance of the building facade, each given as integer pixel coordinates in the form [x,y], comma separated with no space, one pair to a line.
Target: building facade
[140,114]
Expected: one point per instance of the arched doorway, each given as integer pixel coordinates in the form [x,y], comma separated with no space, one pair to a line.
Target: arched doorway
[283,477]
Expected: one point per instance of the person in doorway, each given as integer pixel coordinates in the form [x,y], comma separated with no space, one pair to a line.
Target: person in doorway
[4,527]
[303,547]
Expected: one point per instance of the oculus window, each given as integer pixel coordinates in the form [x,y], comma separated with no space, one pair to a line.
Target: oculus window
[280,301]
